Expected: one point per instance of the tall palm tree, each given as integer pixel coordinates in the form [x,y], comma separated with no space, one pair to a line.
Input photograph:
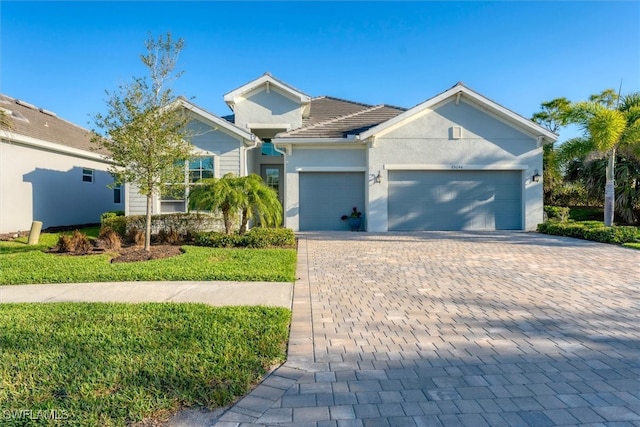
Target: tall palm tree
[213,194]
[607,128]
[259,201]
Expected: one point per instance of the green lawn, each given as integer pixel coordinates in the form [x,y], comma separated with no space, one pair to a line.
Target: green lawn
[23,264]
[103,364]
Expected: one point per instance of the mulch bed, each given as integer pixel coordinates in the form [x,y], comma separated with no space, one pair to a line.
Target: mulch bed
[136,253]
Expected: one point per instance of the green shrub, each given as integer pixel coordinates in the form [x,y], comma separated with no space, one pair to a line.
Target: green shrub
[557,212]
[256,238]
[215,239]
[582,213]
[259,237]
[185,225]
[117,224]
[591,230]
[110,214]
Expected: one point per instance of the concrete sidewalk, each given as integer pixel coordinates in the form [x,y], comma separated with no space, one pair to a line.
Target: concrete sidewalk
[276,294]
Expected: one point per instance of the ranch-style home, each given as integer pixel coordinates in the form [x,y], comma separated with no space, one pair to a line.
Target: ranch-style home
[49,173]
[457,161]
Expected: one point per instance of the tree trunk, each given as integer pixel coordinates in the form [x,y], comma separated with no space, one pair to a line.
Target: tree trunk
[609,191]
[147,233]
[244,221]
[228,223]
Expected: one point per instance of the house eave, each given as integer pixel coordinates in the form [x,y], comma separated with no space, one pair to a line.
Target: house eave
[27,141]
[323,141]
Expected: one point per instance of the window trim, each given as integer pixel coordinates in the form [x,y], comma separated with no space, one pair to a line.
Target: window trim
[88,173]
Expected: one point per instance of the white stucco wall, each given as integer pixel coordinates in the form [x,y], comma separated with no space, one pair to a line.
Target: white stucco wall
[348,158]
[424,141]
[42,185]
[267,108]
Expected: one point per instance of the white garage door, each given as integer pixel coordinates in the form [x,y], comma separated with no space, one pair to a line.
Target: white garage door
[455,200]
[326,196]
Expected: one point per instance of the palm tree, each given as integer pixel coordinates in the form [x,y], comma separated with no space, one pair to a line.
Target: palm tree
[258,201]
[214,194]
[606,129]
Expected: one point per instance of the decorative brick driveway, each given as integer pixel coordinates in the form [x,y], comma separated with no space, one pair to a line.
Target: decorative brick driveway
[445,328]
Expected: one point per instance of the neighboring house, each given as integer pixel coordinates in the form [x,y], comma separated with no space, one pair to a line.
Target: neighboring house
[457,161]
[49,173]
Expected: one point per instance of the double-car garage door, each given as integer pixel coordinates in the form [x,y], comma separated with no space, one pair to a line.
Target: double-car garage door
[417,199]
[455,200]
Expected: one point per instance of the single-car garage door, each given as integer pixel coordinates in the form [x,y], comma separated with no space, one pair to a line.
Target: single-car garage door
[455,200]
[326,196]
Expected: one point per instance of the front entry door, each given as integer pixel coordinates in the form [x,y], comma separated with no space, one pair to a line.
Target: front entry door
[272,176]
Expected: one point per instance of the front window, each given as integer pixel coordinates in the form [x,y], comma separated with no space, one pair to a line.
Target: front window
[268,149]
[174,197]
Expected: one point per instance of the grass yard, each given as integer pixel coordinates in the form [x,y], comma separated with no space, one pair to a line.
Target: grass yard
[104,364]
[23,264]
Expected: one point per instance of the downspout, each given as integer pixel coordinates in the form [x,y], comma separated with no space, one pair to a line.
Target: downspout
[256,141]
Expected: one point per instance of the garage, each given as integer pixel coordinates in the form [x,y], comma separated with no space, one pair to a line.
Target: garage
[326,196]
[455,200]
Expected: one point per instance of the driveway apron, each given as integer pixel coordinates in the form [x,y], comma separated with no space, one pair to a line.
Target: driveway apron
[453,328]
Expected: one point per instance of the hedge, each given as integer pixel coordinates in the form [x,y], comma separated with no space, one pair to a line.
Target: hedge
[257,237]
[591,230]
[184,224]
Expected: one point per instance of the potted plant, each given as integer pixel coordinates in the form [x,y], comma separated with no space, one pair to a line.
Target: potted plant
[354,218]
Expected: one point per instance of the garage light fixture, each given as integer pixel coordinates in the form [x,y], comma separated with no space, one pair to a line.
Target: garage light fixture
[378,178]
[536,176]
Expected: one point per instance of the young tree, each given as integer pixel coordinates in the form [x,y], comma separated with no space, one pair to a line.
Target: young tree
[144,129]
[248,195]
[258,201]
[213,194]
[608,124]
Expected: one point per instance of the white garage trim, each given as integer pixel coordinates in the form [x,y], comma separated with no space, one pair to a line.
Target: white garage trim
[455,166]
[330,169]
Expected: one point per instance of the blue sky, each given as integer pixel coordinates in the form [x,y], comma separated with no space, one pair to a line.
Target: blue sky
[62,56]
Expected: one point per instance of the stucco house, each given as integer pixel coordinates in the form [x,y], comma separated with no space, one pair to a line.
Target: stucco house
[49,173]
[457,161]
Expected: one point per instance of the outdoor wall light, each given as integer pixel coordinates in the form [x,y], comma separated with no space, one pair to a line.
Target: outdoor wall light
[536,176]
[378,178]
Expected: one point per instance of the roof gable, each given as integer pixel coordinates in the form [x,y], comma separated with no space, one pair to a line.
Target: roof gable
[475,99]
[268,81]
[216,121]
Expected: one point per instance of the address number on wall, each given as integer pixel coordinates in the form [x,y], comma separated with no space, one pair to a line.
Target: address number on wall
[457,167]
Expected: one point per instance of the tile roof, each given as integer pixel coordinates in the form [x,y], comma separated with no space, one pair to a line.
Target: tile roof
[29,120]
[336,118]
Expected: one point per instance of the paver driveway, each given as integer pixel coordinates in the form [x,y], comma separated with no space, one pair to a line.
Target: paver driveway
[447,328]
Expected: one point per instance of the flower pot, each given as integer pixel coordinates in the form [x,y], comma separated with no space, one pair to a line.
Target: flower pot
[355,223]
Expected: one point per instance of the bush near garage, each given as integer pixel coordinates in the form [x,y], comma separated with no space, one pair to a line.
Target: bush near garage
[592,230]
[257,237]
